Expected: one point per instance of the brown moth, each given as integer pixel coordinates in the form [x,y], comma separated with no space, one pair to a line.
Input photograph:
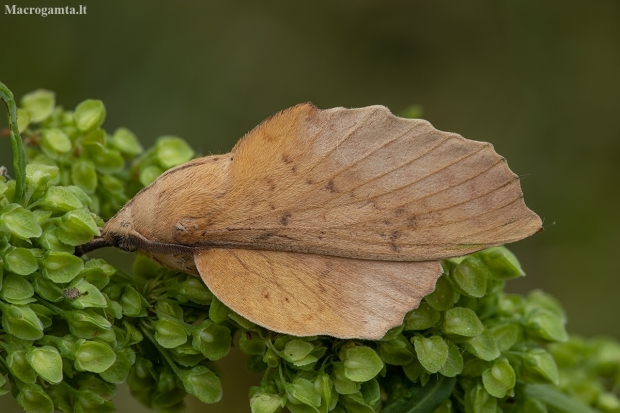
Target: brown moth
[327,221]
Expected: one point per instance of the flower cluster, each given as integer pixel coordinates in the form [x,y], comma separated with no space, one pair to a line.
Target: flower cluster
[73,328]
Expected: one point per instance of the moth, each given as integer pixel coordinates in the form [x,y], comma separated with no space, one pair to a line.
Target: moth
[327,221]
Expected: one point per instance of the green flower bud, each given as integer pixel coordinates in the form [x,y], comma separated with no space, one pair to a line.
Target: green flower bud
[421,318]
[251,344]
[169,307]
[212,340]
[32,398]
[20,261]
[16,288]
[342,383]
[540,363]
[461,321]
[83,294]
[46,361]
[61,267]
[432,352]
[500,379]
[453,365]
[93,142]
[150,174]
[443,297]
[478,400]
[361,363]
[471,276]
[502,263]
[202,383]
[119,371]
[483,346]
[84,175]
[538,299]
[547,325]
[169,332]
[23,120]
[133,303]
[397,352]
[125,141]
[21,322]
[89,115]
[19,222]
[392,333]
[108,161]
[39,104]
[55,143]
[172,151]
[18,365]
[77,227]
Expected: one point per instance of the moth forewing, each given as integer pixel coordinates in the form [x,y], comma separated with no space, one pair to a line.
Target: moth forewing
[370,199]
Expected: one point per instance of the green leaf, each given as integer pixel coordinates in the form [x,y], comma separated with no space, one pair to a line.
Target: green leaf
[61,267]
[423,399]
[500,379]
[296,350]
[88,324]
[172,151]
[119,371]
[59,199]
[453,365]
[251,343]
[483,346]
[77,227]
[540,363]
[432,352]
[89,115]
[150,174]
[421,318]
[202,383]
[20,261]
[93,356]
[55,143]
[108,161]
[169,332]
[84,175]
[20,222]
[16,288]
[461,321]
[39,104]
[125,141]
[343,384]
[506,335]
[361,363]
[133,303]
[46,361]
[556,399]
[21,322]
[502,263]
[262,402]
[32,399]
[83,294]
[547,325]
[38,176]
[471,276]
[212,340]
[17,146]
[442,298]
[303,391]
[478,400]
[396,352]
[18,365]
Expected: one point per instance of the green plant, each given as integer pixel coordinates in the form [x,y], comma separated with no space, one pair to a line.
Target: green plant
[72,328]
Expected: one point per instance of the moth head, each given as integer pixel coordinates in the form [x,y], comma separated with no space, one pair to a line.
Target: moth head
[117,231]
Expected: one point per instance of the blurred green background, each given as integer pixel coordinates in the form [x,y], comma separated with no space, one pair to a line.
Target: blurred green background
[540,80]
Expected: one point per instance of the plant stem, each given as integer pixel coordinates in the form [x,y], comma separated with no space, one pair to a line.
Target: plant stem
[19,157]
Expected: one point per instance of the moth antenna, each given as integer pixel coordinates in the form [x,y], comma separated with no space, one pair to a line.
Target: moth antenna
[92,245]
